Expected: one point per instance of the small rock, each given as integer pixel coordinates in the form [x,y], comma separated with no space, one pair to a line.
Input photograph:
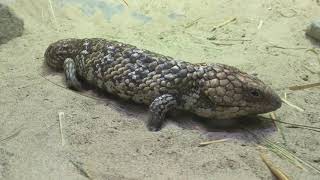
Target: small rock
[10,25]
[305,77]
[316,160]
[314,30]
[212,38]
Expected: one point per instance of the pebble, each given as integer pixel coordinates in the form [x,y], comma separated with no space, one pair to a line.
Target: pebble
[305,77]
[314,30]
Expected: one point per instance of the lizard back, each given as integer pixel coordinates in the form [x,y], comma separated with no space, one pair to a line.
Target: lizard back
[123,69]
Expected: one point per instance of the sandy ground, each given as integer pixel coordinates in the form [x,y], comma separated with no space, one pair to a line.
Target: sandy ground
[105,138]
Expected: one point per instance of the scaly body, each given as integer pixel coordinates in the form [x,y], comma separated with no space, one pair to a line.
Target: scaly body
[214,91]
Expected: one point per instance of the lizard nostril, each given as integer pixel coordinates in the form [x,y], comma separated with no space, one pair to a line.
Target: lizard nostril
[276,102]
[279,102]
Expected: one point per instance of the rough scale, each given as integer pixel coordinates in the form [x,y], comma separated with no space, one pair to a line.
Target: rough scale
[214,91]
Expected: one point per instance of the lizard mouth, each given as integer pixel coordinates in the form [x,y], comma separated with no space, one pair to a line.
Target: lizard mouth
[231,106]
[253,109]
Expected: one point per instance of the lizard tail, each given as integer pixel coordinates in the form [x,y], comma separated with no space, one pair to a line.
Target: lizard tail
[59,51]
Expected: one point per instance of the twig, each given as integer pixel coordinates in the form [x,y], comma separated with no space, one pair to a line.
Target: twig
[15,133]
[281,47]
[53,15]
[81,170]
[61,118]
[288,16]
[283,152]
[192,23]
[42,14]
[125,2]
[311,129]
[260,24]
[83,95]
[315,52]
[292,124]
[211,142]
[212,38]
[235,40]
[285,96]
[278,126]
[306,86]
[222,44]
[276,149]
[56,84]
[224,23]
[292,105]
[308,69]
[293,156]
[273,117]
[275,171]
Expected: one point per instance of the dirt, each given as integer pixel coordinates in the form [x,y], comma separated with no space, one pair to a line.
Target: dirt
[106,138]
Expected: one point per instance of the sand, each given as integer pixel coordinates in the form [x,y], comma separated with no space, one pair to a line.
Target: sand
[106,138]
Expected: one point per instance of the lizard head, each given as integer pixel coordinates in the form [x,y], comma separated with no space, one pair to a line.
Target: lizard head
[231,93]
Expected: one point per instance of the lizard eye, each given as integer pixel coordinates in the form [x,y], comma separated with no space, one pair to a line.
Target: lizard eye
[255,93]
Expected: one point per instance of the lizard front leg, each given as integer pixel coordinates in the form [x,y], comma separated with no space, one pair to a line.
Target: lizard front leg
[158,110]
[69,68]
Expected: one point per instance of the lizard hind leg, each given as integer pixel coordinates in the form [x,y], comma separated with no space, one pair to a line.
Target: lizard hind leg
[158,110]
[69,68]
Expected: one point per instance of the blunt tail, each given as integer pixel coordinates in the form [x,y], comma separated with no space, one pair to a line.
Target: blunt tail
[59,51]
